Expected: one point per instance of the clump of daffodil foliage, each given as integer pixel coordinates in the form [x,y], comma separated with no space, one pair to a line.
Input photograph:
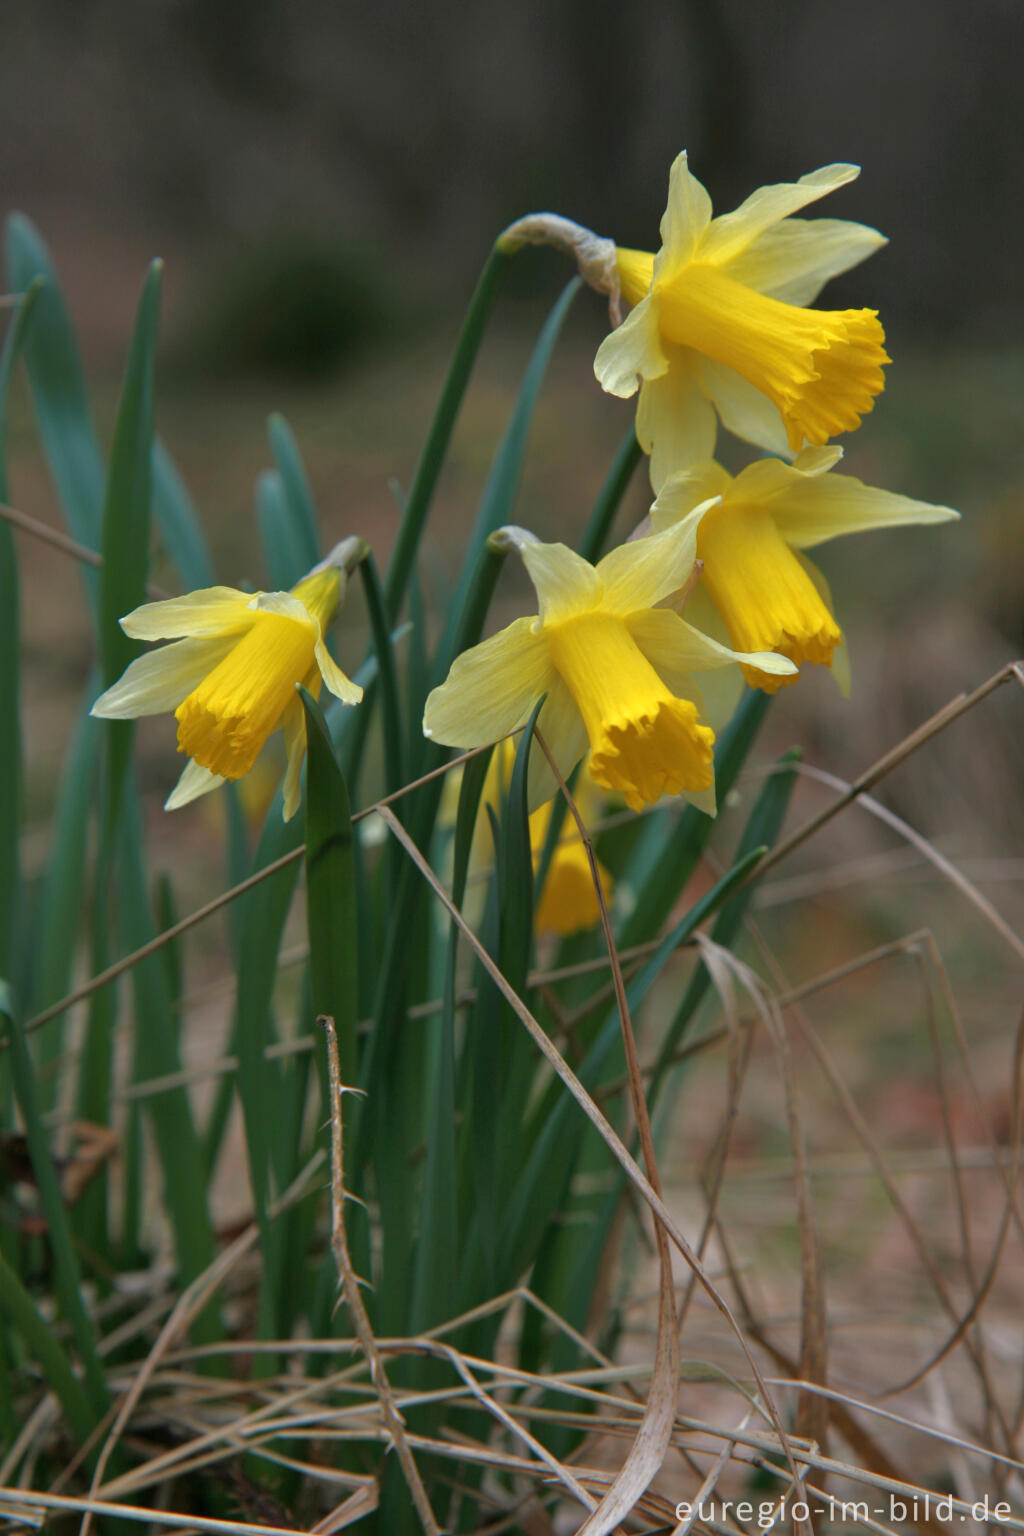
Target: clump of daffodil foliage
[456,908]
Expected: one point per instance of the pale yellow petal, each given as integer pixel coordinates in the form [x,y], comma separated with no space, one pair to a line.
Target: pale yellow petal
[744,410]
[728,236]
[795,259]
[341,686]
[820,507]
[669,642]
[704,799]
[675,420]
[565,582]
[640,574]
[768,481]
[686,217]
[209,611]
[686,490]
[195,781]
[563,730]
[160,680]
[632,351]
[490,689]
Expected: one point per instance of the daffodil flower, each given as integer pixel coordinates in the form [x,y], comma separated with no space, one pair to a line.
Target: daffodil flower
[568,902]
[231,673]
[617,670]
[769,594]
[718,324]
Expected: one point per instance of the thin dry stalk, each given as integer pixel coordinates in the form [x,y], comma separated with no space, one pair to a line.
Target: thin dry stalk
[353,1296]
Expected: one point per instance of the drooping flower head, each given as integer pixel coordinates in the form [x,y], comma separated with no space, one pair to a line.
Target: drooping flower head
[617,670]
[769,594]
[718,324]
[230,674]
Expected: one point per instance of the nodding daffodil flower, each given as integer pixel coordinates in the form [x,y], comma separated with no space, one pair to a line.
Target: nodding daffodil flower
[615,668]
[769,594]
[230,675]
[718,324]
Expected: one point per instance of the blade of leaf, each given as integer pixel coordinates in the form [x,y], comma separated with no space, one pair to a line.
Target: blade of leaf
[58,389]
[282,545]
[10,659]
[67,1278]
[761,832]
[595,535]
[179,526]
[126,509]
[295,485]
[417,507]
[330,890]
[506,471]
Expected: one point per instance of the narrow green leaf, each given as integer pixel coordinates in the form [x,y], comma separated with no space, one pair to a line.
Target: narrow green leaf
[179,526]
[595,535]
[126,507]
[417,507]
[438,1248]
[282,545]
[760,833]
[506,472]
[295,485]
[387,676]
[330,890]
[556,1130]
[663,862]
[66,1273]
[41,1343]
[58,919]
[156,1055]
[58,388]
[10,661]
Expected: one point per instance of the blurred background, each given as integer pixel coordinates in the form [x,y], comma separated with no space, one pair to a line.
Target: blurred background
[324,182]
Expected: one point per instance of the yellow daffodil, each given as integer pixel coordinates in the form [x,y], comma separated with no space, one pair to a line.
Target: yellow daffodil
[568,901]
[718,324]
[616,669]
[769,594]
[230,675]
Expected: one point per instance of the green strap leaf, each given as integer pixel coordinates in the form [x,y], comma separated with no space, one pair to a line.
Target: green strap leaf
[62,410]
[66,1272]
[330,889]
[417,507]
[10,662]
[282,543]
[295,485]
[179,526]
[125,544]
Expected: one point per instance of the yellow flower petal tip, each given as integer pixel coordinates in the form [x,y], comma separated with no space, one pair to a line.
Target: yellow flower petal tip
[724,316]
[618,670]
[231,681]
[770,595]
